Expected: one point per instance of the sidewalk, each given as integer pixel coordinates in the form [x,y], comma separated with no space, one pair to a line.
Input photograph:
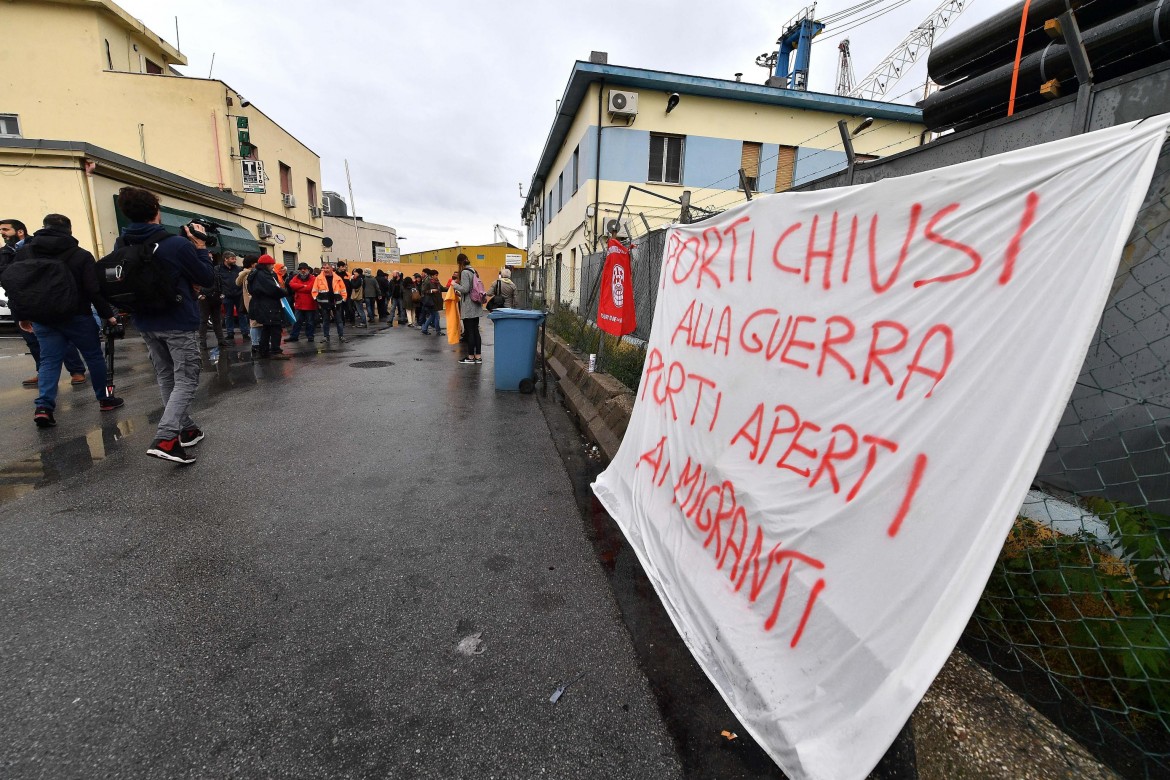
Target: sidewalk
[293,604]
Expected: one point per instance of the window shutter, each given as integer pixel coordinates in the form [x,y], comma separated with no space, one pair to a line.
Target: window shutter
[657,145]
[750,159]
[785,168]
[674,160]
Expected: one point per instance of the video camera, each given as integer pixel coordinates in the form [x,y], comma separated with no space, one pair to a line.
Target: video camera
[117,331]
[204,230]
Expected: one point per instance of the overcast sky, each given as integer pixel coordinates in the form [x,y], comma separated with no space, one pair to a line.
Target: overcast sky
[442,106]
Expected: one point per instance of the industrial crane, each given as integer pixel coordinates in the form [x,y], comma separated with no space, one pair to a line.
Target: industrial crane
[845,77]
[498,235]
[914,47]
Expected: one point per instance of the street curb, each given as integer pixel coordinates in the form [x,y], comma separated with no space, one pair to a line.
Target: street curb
[968,725]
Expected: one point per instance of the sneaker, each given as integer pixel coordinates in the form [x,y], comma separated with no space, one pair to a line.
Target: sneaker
[189,437]
[478,361]
[44,418]
[468,361]
[77,379]
[32,381]
[110,404]
[425,333]
[170,449]
[342,338]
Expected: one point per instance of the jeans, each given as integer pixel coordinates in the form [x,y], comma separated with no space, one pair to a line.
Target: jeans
[175,356]
[430,319]
[333,312]
[370,304]
[308,318]
[396,306]
[234,316]
[360,311]
[382,312]
[73,362]
[79,331]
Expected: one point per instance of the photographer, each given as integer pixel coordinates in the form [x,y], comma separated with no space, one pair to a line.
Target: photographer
[170,334]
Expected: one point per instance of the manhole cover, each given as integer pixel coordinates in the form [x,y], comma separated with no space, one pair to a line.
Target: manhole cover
[371,364]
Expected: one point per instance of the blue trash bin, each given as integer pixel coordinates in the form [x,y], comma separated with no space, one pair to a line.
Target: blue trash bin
[515,348]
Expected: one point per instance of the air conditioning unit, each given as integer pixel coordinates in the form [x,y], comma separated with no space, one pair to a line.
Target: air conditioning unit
[290,201]
[622,229]
[623,103]
[314,212]
[264,229]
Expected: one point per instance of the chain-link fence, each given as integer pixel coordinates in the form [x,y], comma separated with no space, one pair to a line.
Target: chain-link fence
[1076,615]
[623,358]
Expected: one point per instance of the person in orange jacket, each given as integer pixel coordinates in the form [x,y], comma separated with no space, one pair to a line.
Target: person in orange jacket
[330,291]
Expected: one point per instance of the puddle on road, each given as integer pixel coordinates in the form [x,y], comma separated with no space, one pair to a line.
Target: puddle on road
[64,459]
[230,370]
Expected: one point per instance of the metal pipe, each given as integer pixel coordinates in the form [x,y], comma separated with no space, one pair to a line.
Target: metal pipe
[1121,45]
[993,42]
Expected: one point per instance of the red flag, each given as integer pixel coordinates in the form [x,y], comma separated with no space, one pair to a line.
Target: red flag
[615,308]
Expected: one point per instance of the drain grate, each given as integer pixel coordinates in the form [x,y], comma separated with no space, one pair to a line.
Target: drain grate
[371,364]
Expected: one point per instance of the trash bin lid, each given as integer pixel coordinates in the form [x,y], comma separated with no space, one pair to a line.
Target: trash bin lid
[516,314]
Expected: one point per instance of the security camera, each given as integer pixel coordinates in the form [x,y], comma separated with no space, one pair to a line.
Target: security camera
[672,101]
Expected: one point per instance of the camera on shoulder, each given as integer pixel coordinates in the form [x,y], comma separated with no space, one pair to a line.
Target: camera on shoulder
[204,230]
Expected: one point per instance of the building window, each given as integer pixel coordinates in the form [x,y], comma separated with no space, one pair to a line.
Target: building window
[9,126]
[109,56]
[749,161]
[285,180]
[666,155]
[572,270]
[560,192]
[153,67]
[576,169]
[311,193]
[785,168]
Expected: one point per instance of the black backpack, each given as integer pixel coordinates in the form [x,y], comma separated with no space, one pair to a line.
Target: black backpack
[132,279]
[41,289]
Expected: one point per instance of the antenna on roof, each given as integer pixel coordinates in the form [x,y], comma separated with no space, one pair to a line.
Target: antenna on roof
[212,67]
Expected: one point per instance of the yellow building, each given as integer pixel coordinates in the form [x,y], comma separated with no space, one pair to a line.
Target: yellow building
[486,259]
[92,102]
[646,139]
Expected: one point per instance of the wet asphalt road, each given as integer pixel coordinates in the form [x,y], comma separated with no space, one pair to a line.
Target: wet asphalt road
[293,605]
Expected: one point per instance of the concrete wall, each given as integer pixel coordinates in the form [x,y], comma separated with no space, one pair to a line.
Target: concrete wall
[355,244]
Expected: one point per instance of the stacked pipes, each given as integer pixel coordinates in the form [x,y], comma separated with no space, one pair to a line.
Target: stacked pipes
[975,68]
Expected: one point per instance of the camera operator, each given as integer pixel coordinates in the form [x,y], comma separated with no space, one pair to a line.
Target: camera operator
[170,334]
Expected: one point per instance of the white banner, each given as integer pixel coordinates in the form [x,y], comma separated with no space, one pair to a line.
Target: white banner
[846,396]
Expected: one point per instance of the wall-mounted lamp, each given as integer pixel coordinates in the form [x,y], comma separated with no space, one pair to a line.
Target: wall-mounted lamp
[672,101]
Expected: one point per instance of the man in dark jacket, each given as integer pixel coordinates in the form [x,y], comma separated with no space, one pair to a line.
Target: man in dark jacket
[13,234]
[55,241]
[233,296]
[170,334]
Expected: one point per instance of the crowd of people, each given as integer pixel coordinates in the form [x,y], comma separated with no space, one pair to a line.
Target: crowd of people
[219,292]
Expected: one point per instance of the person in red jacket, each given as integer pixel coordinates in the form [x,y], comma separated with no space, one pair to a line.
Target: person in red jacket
[304,303]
